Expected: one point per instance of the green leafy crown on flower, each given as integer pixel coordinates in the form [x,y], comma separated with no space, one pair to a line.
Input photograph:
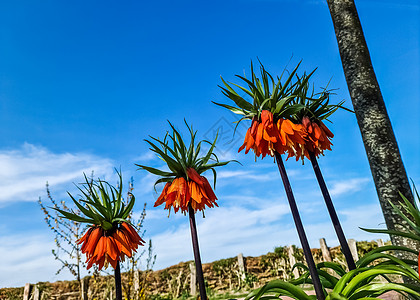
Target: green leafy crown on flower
[308,103]
[179,157]
[288,99]
[101,204]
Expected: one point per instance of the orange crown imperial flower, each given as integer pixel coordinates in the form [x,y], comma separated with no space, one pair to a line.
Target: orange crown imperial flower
[103,247]
[284,136]
[286,118]
[184,185]
[110,238]
[318,137]
[180,193]
[268,136]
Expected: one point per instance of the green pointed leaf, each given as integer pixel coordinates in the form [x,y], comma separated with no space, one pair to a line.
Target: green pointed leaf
[393,232]
[233,109]
[73,216]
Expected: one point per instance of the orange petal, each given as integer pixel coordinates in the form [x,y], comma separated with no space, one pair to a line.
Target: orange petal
[113,262]
[254,127]
[85,236]
[133,233]
[250,141]
[174,187]
[209,190]
[183,190]
[245,140]
[122,243]
[194,176]
[326,130]
[287,127]
[100,248]
[317,131]
[100,262]
[90,262]
[111,248]
[92,242]
[266,116]
[306,122]
[162,196]
[195,192]
[259,134]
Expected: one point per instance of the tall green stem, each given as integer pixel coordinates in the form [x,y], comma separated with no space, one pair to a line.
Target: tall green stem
[301,231]
[197,257]
[118,290]
[333,215]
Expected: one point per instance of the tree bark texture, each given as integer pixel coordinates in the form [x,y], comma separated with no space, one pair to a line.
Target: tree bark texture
[381,147]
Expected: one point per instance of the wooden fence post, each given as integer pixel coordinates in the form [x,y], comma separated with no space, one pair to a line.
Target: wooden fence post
[193,279]
[292,261]
[36,293]
[27,291]
[326,254]
[136,282]
[84,287]
[241,266]
[353,249]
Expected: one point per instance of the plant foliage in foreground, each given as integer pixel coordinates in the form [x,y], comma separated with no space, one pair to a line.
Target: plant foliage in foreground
[361,283]
[410,213]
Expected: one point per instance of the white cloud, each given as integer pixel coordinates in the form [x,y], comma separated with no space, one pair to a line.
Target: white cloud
[146,185]
[348,186]
[28,258]
[223,232]
[25,171]
[258,176]
[244,223]
[145,157]
[226,155]
[227,231]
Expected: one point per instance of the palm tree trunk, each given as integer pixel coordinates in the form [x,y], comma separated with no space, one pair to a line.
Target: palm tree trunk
[385,161]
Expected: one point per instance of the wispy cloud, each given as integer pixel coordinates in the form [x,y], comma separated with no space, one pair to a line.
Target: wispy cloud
[258,176]
[224,232]
[25,171]
[146,185]
[227,231]
[348,186]
[252,223]
[28,259]
[145,157]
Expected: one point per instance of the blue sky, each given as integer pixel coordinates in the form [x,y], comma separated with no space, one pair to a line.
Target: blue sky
[82,84]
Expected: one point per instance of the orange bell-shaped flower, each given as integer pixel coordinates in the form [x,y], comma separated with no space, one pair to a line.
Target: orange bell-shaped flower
[318,137]
[180,193]
[102,247]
